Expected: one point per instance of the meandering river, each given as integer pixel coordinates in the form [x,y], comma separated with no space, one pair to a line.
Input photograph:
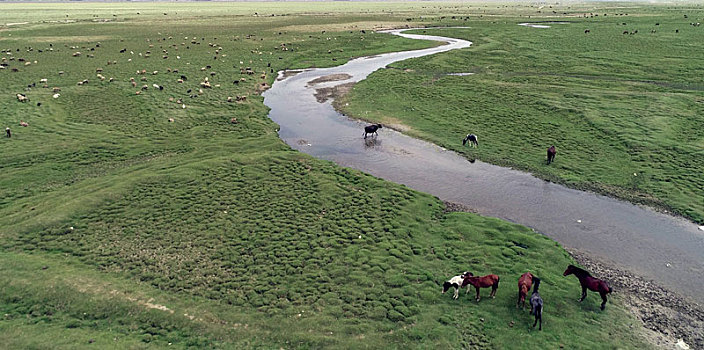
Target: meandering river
[663,248]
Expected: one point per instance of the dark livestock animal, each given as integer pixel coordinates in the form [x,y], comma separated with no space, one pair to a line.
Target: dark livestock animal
[481,282]
[454,282]
[371,129]
[589,282]
[8,133]
[472,139]
[551,154]
[524,284]
[536,304]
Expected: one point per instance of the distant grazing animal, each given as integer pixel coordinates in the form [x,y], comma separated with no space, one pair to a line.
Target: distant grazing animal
[371,129]
[454,282]
[472,139]
[587,31]
[536,304]
[589,282]
[23,123]
[481,282]
[8,133]
[524,284]
[551,154]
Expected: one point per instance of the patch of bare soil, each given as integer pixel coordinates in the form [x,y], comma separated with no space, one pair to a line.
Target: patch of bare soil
[454,207]
[331,77]
[287,74]
[666,316]
[335,92]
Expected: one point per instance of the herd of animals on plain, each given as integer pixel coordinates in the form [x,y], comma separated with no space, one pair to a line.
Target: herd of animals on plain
[467,279]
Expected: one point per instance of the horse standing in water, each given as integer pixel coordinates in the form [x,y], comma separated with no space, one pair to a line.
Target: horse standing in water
[551,154]
[371,129]
[472,139]
[536,304]
[589,282]
[524,284]
[481,282]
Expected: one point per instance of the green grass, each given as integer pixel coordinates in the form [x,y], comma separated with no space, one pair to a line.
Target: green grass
[615,105]
[110,212]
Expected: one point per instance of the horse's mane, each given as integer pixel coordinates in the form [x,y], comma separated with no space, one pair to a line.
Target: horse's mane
[579,271]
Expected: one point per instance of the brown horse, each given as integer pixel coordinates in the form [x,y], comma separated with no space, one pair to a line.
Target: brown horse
[481,282]
[524,284]
[589,282]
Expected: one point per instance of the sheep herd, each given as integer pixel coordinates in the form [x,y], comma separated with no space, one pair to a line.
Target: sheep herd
[139,80]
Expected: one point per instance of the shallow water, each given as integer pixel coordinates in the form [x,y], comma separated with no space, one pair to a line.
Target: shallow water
[666,249]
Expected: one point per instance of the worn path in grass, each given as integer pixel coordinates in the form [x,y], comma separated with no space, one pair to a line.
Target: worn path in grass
[658,246]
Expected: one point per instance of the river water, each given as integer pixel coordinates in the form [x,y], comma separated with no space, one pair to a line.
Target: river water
[656,246]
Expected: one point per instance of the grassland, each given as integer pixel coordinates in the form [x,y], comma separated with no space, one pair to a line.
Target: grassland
[624,110]
[120,229]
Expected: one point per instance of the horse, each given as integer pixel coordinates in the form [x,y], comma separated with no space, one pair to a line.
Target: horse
[454,282]
[524,283]
[536,304]
[472,139]
[551,154]
[587,281]
[371,129]
[481,282]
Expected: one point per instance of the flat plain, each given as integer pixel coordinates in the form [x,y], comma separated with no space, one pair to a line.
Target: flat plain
[158,214]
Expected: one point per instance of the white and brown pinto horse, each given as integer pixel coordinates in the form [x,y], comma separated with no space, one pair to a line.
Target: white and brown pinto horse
[455,282]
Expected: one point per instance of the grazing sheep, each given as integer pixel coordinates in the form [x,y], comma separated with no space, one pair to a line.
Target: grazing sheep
[22,98]
[145,87]
[56,95]
[171,120]
[233,121]
[23,123]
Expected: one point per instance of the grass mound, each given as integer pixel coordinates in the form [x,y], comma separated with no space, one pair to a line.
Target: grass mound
[121,228]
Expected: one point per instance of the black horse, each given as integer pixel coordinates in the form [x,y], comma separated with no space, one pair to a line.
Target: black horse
[536,304]
[551,154]
[371,129]
[472,139]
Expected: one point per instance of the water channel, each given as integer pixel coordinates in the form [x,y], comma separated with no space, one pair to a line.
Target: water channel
[657,246]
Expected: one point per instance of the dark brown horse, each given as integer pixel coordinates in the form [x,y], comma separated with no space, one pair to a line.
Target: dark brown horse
[551,154]
[481,282]
[524,284]
[589,282]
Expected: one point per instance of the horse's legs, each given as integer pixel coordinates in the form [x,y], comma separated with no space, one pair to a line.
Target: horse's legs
[603,297]
[540,317]
[478,297]
[493,291]
[457,293]
[584,294]
[365,134]
[518,303]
